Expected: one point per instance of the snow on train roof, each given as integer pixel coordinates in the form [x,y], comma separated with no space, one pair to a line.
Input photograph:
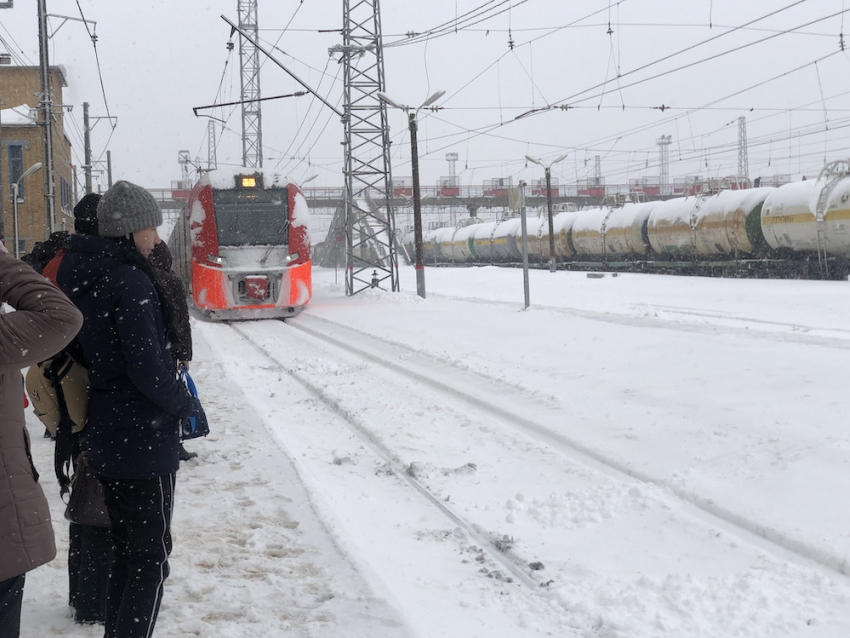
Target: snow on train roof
[225,177]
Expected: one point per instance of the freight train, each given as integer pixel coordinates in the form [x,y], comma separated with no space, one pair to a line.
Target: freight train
[800,229]
[241,246]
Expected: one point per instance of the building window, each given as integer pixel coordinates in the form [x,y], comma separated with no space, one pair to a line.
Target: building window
[65,196]
[16,167]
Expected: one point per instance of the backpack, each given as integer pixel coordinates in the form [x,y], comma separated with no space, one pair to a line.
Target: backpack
[59,392]
[61,379]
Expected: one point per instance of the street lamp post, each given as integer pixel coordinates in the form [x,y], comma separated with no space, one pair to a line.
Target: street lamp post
[15,186]
[417,203]
[548,169]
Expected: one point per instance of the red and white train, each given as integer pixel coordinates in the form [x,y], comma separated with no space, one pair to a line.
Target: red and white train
[241,246]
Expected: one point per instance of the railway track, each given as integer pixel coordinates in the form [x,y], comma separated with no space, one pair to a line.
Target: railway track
[495,548]
[690,320]
[379,362]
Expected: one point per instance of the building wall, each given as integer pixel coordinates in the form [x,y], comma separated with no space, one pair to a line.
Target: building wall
[18,86]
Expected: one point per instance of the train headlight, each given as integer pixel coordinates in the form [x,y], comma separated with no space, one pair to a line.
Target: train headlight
[216,259]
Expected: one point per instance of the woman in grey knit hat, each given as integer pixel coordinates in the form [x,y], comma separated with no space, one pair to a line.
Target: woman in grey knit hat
[137,402]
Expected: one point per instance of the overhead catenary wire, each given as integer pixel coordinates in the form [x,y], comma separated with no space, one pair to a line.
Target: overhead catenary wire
[460,25]
[93,39]
[664,58]
[676,110]
[712,57]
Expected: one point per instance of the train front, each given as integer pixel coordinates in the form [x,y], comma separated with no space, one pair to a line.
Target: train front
[249,248]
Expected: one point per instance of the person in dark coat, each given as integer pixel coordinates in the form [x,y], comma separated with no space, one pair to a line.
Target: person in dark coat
[136,402]
[43,323]
[172,294]
[89,547]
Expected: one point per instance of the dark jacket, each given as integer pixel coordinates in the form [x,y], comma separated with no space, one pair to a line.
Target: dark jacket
[43,323]
[44,251]
[136,402]
[172,294]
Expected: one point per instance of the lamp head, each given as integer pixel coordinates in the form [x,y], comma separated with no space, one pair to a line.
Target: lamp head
[386,98]
[436,96]
[32,169]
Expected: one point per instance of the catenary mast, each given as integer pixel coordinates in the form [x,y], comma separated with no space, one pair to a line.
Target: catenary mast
[249,58]
[369,229]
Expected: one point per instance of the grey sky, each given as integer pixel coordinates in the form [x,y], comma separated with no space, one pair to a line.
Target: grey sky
[160,58]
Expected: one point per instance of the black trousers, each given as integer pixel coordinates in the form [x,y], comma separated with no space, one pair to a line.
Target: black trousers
[140,511]
[11,597]
[89,558]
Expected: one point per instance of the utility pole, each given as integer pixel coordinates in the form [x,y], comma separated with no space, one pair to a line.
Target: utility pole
[417,197]
[87,142]
[548,168]
[417,207]
[47,116]
[516,201]
[249,58]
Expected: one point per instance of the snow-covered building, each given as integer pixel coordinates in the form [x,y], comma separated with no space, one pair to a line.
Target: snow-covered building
[22,146]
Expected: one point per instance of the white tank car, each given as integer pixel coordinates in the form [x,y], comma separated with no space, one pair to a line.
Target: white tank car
[504,240]
[728,222]
[442,243]
[482,246]
[625,229]
[563,223]
[460,251]
[790,214]
[534,230]
[587,231]
[724,223]
[669,226]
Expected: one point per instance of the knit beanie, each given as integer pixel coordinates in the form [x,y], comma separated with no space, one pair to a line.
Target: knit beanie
[85,214]
[125,209]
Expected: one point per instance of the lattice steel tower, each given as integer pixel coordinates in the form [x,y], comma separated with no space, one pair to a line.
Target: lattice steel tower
[371,258]
[249,58]
[743,161]
[663,143]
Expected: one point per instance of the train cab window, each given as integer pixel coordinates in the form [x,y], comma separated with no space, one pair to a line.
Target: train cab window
[251,218]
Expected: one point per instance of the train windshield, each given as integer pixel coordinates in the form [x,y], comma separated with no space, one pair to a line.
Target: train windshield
[251,217]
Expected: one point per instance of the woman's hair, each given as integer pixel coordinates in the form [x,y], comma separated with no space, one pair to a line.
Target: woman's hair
[131,255]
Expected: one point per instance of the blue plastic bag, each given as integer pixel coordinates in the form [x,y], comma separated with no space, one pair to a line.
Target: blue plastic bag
[196,424]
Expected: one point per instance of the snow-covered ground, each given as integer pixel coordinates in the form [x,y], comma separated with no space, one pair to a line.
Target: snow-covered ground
[633,457]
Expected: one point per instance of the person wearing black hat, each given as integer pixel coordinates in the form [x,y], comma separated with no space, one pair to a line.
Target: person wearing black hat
[89,547]
[85,222]
[136,401]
